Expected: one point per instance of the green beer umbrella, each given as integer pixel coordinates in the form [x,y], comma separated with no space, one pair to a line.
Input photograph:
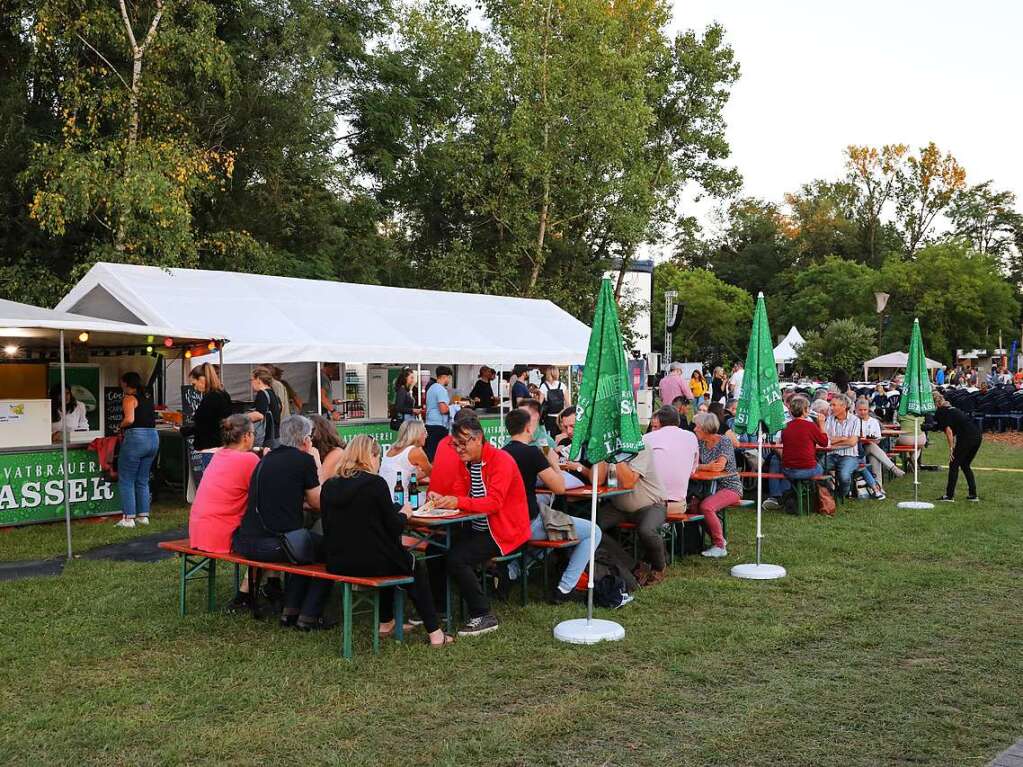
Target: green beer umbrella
[916,400]
[606,430]
[760,407]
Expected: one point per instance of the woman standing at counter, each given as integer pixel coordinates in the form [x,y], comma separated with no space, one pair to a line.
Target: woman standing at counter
[138,451]
[404,406]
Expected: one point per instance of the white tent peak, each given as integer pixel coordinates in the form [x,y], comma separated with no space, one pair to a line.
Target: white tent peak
[290,319]
[786,351]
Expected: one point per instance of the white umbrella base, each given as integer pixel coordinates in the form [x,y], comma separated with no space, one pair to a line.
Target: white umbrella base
[915,505]
[578,631]
[755,572]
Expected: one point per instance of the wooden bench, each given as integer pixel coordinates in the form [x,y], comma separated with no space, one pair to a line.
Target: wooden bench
[202,565]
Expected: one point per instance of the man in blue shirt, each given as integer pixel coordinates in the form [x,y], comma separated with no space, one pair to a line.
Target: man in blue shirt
[520,385]
[438,418]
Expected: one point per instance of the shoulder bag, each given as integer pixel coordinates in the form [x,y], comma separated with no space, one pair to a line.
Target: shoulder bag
[298,544]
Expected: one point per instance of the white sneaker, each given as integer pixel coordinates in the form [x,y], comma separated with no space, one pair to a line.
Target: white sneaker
[140,520]
[771,504]
[716,552]
[879,495]
[897,472]
[125,522]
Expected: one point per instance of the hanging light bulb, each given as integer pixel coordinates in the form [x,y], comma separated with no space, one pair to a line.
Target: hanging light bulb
[10,350]
[83,336]
[149,350]
[188,354]
[149,339]
[212,346]
[168,342]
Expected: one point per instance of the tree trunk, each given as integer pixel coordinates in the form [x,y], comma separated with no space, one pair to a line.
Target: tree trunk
[545,204]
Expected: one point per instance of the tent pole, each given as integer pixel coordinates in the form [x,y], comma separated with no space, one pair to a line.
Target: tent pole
[319,396]
[63,446]
[595,471]
[760,486]
[419,390]
[568,383]
[500,398]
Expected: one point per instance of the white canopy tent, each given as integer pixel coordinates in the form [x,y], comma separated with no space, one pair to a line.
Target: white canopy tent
[35,327]
[285,319]
[786,352]
[893,361]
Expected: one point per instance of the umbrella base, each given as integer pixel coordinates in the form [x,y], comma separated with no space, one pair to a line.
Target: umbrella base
[578,631]
[758,572]
[915,505]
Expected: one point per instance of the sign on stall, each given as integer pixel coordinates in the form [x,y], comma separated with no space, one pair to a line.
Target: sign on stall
[32,487]
[493,430]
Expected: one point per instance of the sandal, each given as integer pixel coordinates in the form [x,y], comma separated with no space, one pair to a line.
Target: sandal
[448,639]
[405,627]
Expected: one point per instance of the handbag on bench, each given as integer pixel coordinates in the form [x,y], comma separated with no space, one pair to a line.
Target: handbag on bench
[298,544]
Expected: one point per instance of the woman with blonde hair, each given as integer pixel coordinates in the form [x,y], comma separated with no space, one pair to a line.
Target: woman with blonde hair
[362,534]
[406,455]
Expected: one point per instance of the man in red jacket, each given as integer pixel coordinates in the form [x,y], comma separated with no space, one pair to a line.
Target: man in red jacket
[484,481]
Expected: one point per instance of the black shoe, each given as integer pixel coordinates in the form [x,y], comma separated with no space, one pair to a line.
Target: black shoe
[973,498]
[272,592]
[242,603]
[559,597]
[481,625]
[288,621]
[320,624]
[947,499]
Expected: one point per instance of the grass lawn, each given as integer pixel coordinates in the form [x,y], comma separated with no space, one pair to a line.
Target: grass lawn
[896,639]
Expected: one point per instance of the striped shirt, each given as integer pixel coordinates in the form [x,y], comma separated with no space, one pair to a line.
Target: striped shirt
[847,428]
[478,490]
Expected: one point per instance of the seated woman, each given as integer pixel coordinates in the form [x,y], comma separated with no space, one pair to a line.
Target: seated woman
[716,454]
[284,482]
[362,534]
[220,503]
[800,439]
[407,456]
[328,444]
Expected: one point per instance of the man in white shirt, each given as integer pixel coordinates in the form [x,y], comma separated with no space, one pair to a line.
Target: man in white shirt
[735,382]
[870,428]
[842,429]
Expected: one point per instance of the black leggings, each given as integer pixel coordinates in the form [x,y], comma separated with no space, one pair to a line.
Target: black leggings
[962,456]
[421,596]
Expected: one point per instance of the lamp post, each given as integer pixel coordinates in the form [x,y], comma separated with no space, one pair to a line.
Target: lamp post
[669,303]
[882,302]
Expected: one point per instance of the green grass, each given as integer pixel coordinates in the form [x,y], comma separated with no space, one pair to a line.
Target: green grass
[896,639]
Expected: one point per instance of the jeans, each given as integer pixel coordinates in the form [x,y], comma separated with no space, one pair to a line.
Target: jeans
[846,466]
[434,435]
[709,508]
[580,556]
[303,596]
[962,457]
[469,550]
[794,474]
[776,488]
[134,462]
[648,528]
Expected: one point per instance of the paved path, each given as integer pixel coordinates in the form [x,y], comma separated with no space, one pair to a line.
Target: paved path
[1012,757]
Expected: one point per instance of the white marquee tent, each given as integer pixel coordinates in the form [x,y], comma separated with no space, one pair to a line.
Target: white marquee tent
[893,361]
[285,319]
[785,352]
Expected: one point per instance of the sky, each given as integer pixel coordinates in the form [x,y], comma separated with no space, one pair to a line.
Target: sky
[818,76]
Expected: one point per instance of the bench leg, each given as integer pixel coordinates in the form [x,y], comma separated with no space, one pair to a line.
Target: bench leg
[346,622]
[376,621]
[211,585]
[237,577]
[525,578]
[182,585]
[399,613]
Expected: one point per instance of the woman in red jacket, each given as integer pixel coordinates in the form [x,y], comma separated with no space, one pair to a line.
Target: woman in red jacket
[484,481]
[801,438]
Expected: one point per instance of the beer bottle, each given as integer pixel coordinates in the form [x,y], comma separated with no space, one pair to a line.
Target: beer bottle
[612,476]
[399,491]
[413,491]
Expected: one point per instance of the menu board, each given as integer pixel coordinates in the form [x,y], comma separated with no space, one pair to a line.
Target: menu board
[113,409]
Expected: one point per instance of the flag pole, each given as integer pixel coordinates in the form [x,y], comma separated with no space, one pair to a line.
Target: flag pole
[593,549]
[760,488]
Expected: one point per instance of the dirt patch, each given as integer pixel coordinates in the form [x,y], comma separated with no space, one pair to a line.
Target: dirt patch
[1013,438]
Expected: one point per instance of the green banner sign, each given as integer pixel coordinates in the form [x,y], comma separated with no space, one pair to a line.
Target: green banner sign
[493,430]
[32,487]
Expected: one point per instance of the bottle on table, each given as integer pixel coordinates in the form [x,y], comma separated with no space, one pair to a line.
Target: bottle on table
[612,475]
[399,491]
[413,491]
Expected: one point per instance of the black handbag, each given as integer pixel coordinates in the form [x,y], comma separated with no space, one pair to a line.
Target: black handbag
[298,545]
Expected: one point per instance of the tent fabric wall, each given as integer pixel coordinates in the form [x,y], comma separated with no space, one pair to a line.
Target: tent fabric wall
[286,319]
[893,361]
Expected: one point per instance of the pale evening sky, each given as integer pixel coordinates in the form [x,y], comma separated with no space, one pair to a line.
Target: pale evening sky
[819,75]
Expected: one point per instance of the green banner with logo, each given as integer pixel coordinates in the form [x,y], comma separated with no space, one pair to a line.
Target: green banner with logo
[32,487]
[493,430]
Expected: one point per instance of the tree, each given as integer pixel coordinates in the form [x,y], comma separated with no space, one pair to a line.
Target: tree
[987,218]
[757,245]
[813,297]
[717,317]
[824,218]
[876,174]
[924,191]
[959,295]
[842,346]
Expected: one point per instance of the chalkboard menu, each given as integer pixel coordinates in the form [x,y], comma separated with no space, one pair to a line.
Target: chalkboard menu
[113,409]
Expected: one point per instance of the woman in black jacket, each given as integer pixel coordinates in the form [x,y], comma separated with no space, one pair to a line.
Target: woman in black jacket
[404,406]
[362,534]
[205,430]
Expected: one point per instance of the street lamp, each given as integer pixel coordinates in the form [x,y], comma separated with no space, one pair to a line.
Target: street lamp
[882,302]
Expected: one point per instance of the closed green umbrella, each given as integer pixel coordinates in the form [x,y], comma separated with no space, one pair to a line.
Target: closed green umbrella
[916,400]
[760,407]
[606,430]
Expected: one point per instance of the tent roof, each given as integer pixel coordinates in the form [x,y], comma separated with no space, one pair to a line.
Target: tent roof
[41,327]
[286,319]
[895,360]
[786,351]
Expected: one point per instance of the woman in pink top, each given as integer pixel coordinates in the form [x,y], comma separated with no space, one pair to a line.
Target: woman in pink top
[224,492]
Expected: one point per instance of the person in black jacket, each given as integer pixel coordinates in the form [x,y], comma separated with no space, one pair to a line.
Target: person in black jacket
[362,534]
[404,405]
[964,440]
[205,430]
